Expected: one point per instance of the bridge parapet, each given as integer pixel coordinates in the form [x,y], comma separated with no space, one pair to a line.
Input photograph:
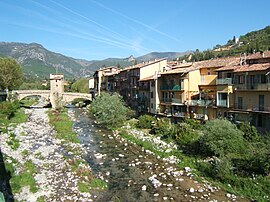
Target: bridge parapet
[66,97]
[20,94]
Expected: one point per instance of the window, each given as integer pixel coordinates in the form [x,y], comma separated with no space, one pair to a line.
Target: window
[241,79]
[152,106]
[263,78]
[152,95]
[240,102]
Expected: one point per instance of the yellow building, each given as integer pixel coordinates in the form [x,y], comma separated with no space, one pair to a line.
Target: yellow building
[175,88]
[243,91]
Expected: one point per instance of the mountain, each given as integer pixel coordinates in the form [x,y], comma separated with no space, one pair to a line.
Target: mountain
[159,55]
[39,62]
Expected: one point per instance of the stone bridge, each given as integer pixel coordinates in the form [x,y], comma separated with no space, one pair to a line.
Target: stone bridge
[66,97]
[55,95]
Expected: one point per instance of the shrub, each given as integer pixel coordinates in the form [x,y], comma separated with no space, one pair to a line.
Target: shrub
[109,110]
[185,134]
[222,138]
[165,128]
[8,109]
[250,132]
[145,121]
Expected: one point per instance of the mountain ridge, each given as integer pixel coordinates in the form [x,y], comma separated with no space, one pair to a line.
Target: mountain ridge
[37,61]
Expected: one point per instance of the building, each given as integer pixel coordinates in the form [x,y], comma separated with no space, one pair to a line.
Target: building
[244,90]
[101,80]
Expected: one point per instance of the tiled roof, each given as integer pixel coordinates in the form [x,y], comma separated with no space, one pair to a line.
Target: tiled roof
[180,70]
[227,68]
[254,67]
[259,55]
[246,68]
[218,62]
[143,64]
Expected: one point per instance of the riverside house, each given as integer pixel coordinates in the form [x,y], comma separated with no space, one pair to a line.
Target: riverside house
[237,88]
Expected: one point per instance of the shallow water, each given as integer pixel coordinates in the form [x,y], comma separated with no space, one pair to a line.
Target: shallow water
[127,169]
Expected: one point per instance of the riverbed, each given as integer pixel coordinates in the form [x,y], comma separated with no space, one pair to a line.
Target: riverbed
[136,174]
[132,173]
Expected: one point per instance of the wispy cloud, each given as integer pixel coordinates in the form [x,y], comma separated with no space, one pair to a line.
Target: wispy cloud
[152,28]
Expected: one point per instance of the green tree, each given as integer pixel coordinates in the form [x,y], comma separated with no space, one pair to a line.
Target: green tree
[81,86]
[222,138]
[11,75]
[109,110]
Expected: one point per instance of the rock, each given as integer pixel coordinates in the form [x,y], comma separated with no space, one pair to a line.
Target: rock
[191,190]
[144,188]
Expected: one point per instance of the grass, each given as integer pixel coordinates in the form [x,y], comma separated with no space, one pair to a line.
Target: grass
[94,184]
[63,125]
[13,142]
[25,178]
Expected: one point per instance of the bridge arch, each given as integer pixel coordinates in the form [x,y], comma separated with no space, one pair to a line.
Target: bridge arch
[21,94]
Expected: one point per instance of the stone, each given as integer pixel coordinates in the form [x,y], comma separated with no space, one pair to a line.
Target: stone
[191,190]
[144,188]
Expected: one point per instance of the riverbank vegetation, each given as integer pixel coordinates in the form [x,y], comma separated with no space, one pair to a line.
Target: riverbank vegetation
[109,110]
[237,158]
[63,125]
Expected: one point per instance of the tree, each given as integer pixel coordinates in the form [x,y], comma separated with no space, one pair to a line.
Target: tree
[222,138]
[81,86]
[109,110]
[11,75]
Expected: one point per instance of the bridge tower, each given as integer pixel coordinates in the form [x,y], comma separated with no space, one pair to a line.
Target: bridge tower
[57,89]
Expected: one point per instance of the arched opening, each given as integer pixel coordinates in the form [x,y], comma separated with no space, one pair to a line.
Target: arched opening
[78,102]
[34,101]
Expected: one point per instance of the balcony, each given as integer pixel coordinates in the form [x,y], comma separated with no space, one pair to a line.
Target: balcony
[166,100]
[171,88]
[208,79]
[224,81]
[254,108]
[172,100]
[255,86]
[176,101]
[222,103]
[200,102]
[144,87]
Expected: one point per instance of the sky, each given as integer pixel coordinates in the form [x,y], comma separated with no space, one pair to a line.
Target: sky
[99,29]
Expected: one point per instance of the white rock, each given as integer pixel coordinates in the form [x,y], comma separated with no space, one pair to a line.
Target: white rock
[144,188]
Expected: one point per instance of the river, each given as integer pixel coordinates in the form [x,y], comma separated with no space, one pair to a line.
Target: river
[132,172]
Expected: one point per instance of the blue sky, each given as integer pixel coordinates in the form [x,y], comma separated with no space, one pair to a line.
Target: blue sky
[98,29]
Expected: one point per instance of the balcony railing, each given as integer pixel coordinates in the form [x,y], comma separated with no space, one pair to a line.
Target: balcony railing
[200,102]
[255,108]
[176,101]
[255,86]
[144,87]
[222,103]
[172,100]
[166,99]
[225,81]
[172,88]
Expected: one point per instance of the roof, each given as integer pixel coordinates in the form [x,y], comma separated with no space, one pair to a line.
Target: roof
[246,68]
[143,64]
[259,55]
[218,62]
[254,67]
[227,68]
[180,70]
